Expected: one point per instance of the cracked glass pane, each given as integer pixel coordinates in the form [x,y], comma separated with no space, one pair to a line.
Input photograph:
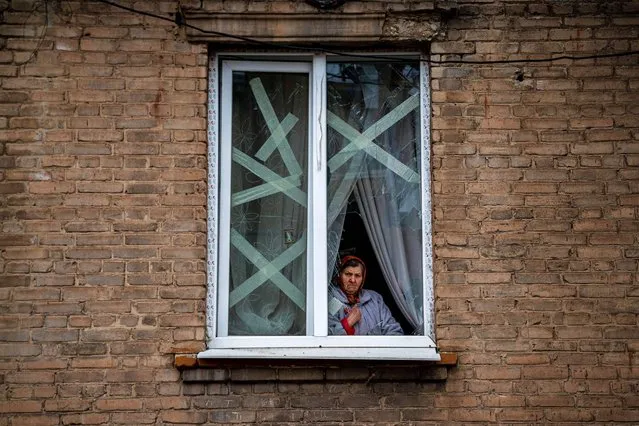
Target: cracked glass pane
[269,204]
[374,194]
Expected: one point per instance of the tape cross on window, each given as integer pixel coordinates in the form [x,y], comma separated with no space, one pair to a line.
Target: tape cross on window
[273,184]
[364,141]
[267,270]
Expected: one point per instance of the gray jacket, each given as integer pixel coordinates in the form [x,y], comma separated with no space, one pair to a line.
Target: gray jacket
[376,317]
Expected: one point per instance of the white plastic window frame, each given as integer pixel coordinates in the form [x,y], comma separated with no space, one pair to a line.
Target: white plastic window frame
[316,344]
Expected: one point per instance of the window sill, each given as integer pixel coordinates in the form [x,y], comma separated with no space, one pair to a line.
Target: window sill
[383,353]
[195,369]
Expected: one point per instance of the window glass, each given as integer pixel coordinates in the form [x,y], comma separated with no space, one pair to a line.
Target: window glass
[267,290]
[374,140]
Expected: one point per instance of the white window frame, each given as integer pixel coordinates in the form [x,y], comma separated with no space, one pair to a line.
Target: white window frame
[316,344]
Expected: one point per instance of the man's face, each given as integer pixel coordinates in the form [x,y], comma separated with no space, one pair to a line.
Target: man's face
[351,279]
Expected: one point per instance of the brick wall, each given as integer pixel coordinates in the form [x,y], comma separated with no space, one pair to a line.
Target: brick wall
[103,207]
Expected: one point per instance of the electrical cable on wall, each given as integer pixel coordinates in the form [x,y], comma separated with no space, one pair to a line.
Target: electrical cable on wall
[180,21]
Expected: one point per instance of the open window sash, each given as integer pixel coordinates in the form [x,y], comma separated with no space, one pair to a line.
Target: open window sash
[282,154]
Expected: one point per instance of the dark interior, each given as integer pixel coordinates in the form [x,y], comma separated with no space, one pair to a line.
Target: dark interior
[355,241]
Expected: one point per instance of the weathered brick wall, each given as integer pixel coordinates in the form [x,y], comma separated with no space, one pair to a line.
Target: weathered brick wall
[535,216]
[103,207]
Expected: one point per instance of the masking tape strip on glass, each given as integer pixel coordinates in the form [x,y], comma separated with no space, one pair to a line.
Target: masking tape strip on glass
[366,144]
[265,189]
[343,191]
[364,141]
[384,123]
[273,141]
[267,270]
[277,133]
[269,176]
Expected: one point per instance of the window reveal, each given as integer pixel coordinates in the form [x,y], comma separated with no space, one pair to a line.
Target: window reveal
[298,141]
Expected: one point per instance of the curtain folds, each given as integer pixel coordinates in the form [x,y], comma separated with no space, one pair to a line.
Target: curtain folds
[376,120]
[269,204]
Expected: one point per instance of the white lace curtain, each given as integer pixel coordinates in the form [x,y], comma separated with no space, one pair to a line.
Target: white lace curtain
[269,204]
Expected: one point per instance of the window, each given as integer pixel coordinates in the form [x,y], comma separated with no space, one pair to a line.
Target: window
[310,158]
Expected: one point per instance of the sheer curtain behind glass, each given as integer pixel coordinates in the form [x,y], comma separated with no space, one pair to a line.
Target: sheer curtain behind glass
[374,154]
[269,204]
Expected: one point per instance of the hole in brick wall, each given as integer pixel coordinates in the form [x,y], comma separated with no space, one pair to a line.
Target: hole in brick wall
[519,75]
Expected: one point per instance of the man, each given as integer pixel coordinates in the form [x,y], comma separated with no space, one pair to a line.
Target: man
[354,310]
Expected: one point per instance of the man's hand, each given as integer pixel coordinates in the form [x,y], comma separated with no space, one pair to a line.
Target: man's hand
[354,316]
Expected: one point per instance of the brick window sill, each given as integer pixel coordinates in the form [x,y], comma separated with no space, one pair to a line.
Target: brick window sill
[194,370]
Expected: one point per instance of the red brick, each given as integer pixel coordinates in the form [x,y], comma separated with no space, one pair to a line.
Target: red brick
[104,335]
[132,418]
[30,377]
[79,253]
[118,404]
[551,401]
[504,401]
[425,414]
[54,335]
[36,420]
[280,416]
[544,372]
[20,406]
[76,404]
[520,415]
[25,253]
[456,401]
